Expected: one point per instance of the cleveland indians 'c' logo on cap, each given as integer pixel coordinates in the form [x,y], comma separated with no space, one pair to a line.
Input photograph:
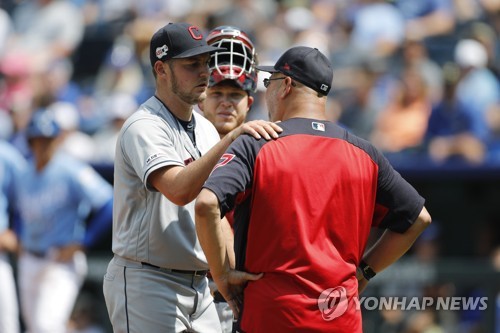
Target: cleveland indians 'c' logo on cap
[195,32]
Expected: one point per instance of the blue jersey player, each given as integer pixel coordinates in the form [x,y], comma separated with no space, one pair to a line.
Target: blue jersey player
[56,195]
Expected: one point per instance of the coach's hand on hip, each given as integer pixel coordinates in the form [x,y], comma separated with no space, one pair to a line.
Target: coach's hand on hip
[231,286]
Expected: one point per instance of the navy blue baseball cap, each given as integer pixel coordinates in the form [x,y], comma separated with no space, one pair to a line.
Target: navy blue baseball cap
[42,125]
[178,40]
[307,65]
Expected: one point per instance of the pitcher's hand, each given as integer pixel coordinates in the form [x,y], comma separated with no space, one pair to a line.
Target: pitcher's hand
[258,129]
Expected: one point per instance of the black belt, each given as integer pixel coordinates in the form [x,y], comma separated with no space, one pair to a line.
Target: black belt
[170,270]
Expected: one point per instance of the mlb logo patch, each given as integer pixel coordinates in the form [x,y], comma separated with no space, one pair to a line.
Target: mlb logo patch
[318,126]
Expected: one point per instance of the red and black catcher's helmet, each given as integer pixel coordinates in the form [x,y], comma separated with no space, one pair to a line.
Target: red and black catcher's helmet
[237,62]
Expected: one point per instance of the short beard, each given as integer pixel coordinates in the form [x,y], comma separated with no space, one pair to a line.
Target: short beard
[185,97]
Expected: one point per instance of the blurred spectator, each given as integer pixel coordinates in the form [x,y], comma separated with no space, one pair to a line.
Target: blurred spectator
[119,107]
[402,125]
[379,81]
[414,54]
[28,88]
[450,132]
[433,22]
[249,15]
[273,39]
[358,110]
[487,36]
[121,72]
[16,89]
[48,29]
[306,29]
[378,29]
[426,18]
[467,11]
[52,82]
[6,126]
[491,8]
[17,95]
[326,14]
[107,14]
[490,5]
[5,31]
[57,77]
[478,90]
[74,142]
[168,10]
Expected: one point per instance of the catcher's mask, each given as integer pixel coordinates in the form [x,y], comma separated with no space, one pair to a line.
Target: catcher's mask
[237,62]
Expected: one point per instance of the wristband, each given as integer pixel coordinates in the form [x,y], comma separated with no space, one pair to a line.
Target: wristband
[367,271]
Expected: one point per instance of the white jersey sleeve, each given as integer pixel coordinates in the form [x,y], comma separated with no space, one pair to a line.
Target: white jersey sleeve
[147,146]
[147,226]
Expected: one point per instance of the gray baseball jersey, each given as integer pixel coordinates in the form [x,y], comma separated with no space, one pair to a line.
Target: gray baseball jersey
[147,226]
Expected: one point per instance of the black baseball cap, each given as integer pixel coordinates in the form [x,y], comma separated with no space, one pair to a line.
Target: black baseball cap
[307,65]
[178,40]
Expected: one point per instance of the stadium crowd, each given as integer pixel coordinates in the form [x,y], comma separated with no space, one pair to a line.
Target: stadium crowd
[413,77]
[420,79]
